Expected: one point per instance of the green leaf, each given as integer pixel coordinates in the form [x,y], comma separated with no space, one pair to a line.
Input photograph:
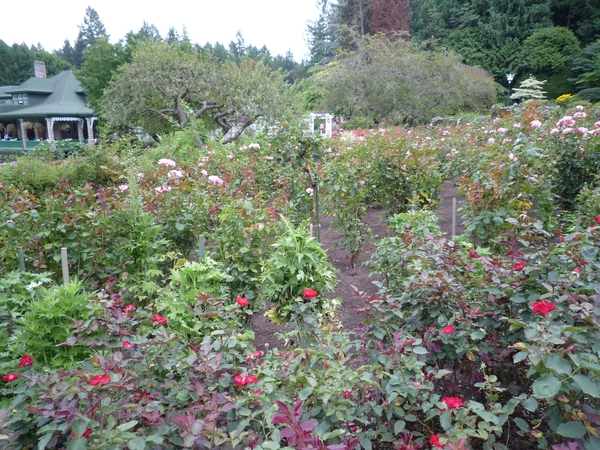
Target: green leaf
[519,357]
[137,444]
[399,426]
[420,350]
[546,386]
[77,444]
[572,429]
[446,420]
[558,364]
[530,404]
[523,426]
[43,441]
[593,443]
[366,444]
[128,425]
[305,393]
[587,386]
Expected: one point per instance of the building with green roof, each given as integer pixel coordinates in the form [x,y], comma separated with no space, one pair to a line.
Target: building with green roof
[45,109]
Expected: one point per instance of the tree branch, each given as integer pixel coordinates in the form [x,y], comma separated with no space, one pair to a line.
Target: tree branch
[240,131]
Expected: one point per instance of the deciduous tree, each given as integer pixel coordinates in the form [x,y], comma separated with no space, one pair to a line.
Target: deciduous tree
[164,86]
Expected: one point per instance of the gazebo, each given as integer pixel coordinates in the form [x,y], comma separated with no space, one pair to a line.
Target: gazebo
[328,122]
[44,109]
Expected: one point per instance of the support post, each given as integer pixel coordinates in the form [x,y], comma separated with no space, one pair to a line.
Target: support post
[201,247]
[65,265]
[21,260]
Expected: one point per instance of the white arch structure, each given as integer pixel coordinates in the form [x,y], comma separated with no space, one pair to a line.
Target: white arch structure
[328,122]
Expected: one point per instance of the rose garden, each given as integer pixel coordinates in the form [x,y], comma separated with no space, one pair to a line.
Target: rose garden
[485,340]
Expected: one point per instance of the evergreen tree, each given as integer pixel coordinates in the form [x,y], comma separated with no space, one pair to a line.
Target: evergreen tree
[90,31]
[548,54]
[66,53]
[585,64]
[580,16]
[17,64]
[322,34]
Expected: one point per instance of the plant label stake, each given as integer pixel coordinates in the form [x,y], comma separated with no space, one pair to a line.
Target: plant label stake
[454,216]
[201,249]
[311,230]
[65,265]
[21,260]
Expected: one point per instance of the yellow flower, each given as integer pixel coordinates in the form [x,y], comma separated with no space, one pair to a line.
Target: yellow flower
[563,97]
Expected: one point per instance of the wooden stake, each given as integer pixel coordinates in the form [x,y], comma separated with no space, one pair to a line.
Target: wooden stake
[21,260]
[201,249]
[65,265]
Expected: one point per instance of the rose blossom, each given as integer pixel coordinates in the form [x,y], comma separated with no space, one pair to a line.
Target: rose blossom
[448,329]
[244,380]
[215,179]
[157,318]
[10,377]
[519,266]
[453,402]
[174,174]
[542,307]
[309,293]
[123,187]
[242,301]
[435,441]
[99,380]
[166,162]
[535,124]
[26,361]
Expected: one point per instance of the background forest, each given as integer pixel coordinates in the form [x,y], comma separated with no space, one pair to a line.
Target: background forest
[553,40]
[369,59]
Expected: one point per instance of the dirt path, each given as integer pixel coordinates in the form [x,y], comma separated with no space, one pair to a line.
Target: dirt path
[338,256]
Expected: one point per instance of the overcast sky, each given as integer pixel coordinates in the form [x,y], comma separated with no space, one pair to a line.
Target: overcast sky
[278,24]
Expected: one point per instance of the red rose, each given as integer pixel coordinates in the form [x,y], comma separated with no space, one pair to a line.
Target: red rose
[309,293]
[244,380]
[597,220]
[159,319]
[519,266]
[453,402]
[26,361]
[239,380]
[346,394]
[10,377]
[435,441]
[256,354]
[127,344]
[542,307]
[128,308]
[448,329]
[86,433]
[242,301]
[99,379]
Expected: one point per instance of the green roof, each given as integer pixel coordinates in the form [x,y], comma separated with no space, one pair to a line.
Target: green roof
[34,86]
[65,98]
[4,89]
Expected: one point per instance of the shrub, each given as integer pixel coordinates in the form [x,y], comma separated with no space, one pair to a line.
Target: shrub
[298,262]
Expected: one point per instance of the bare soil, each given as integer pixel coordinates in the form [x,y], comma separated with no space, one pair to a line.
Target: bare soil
[349,278]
